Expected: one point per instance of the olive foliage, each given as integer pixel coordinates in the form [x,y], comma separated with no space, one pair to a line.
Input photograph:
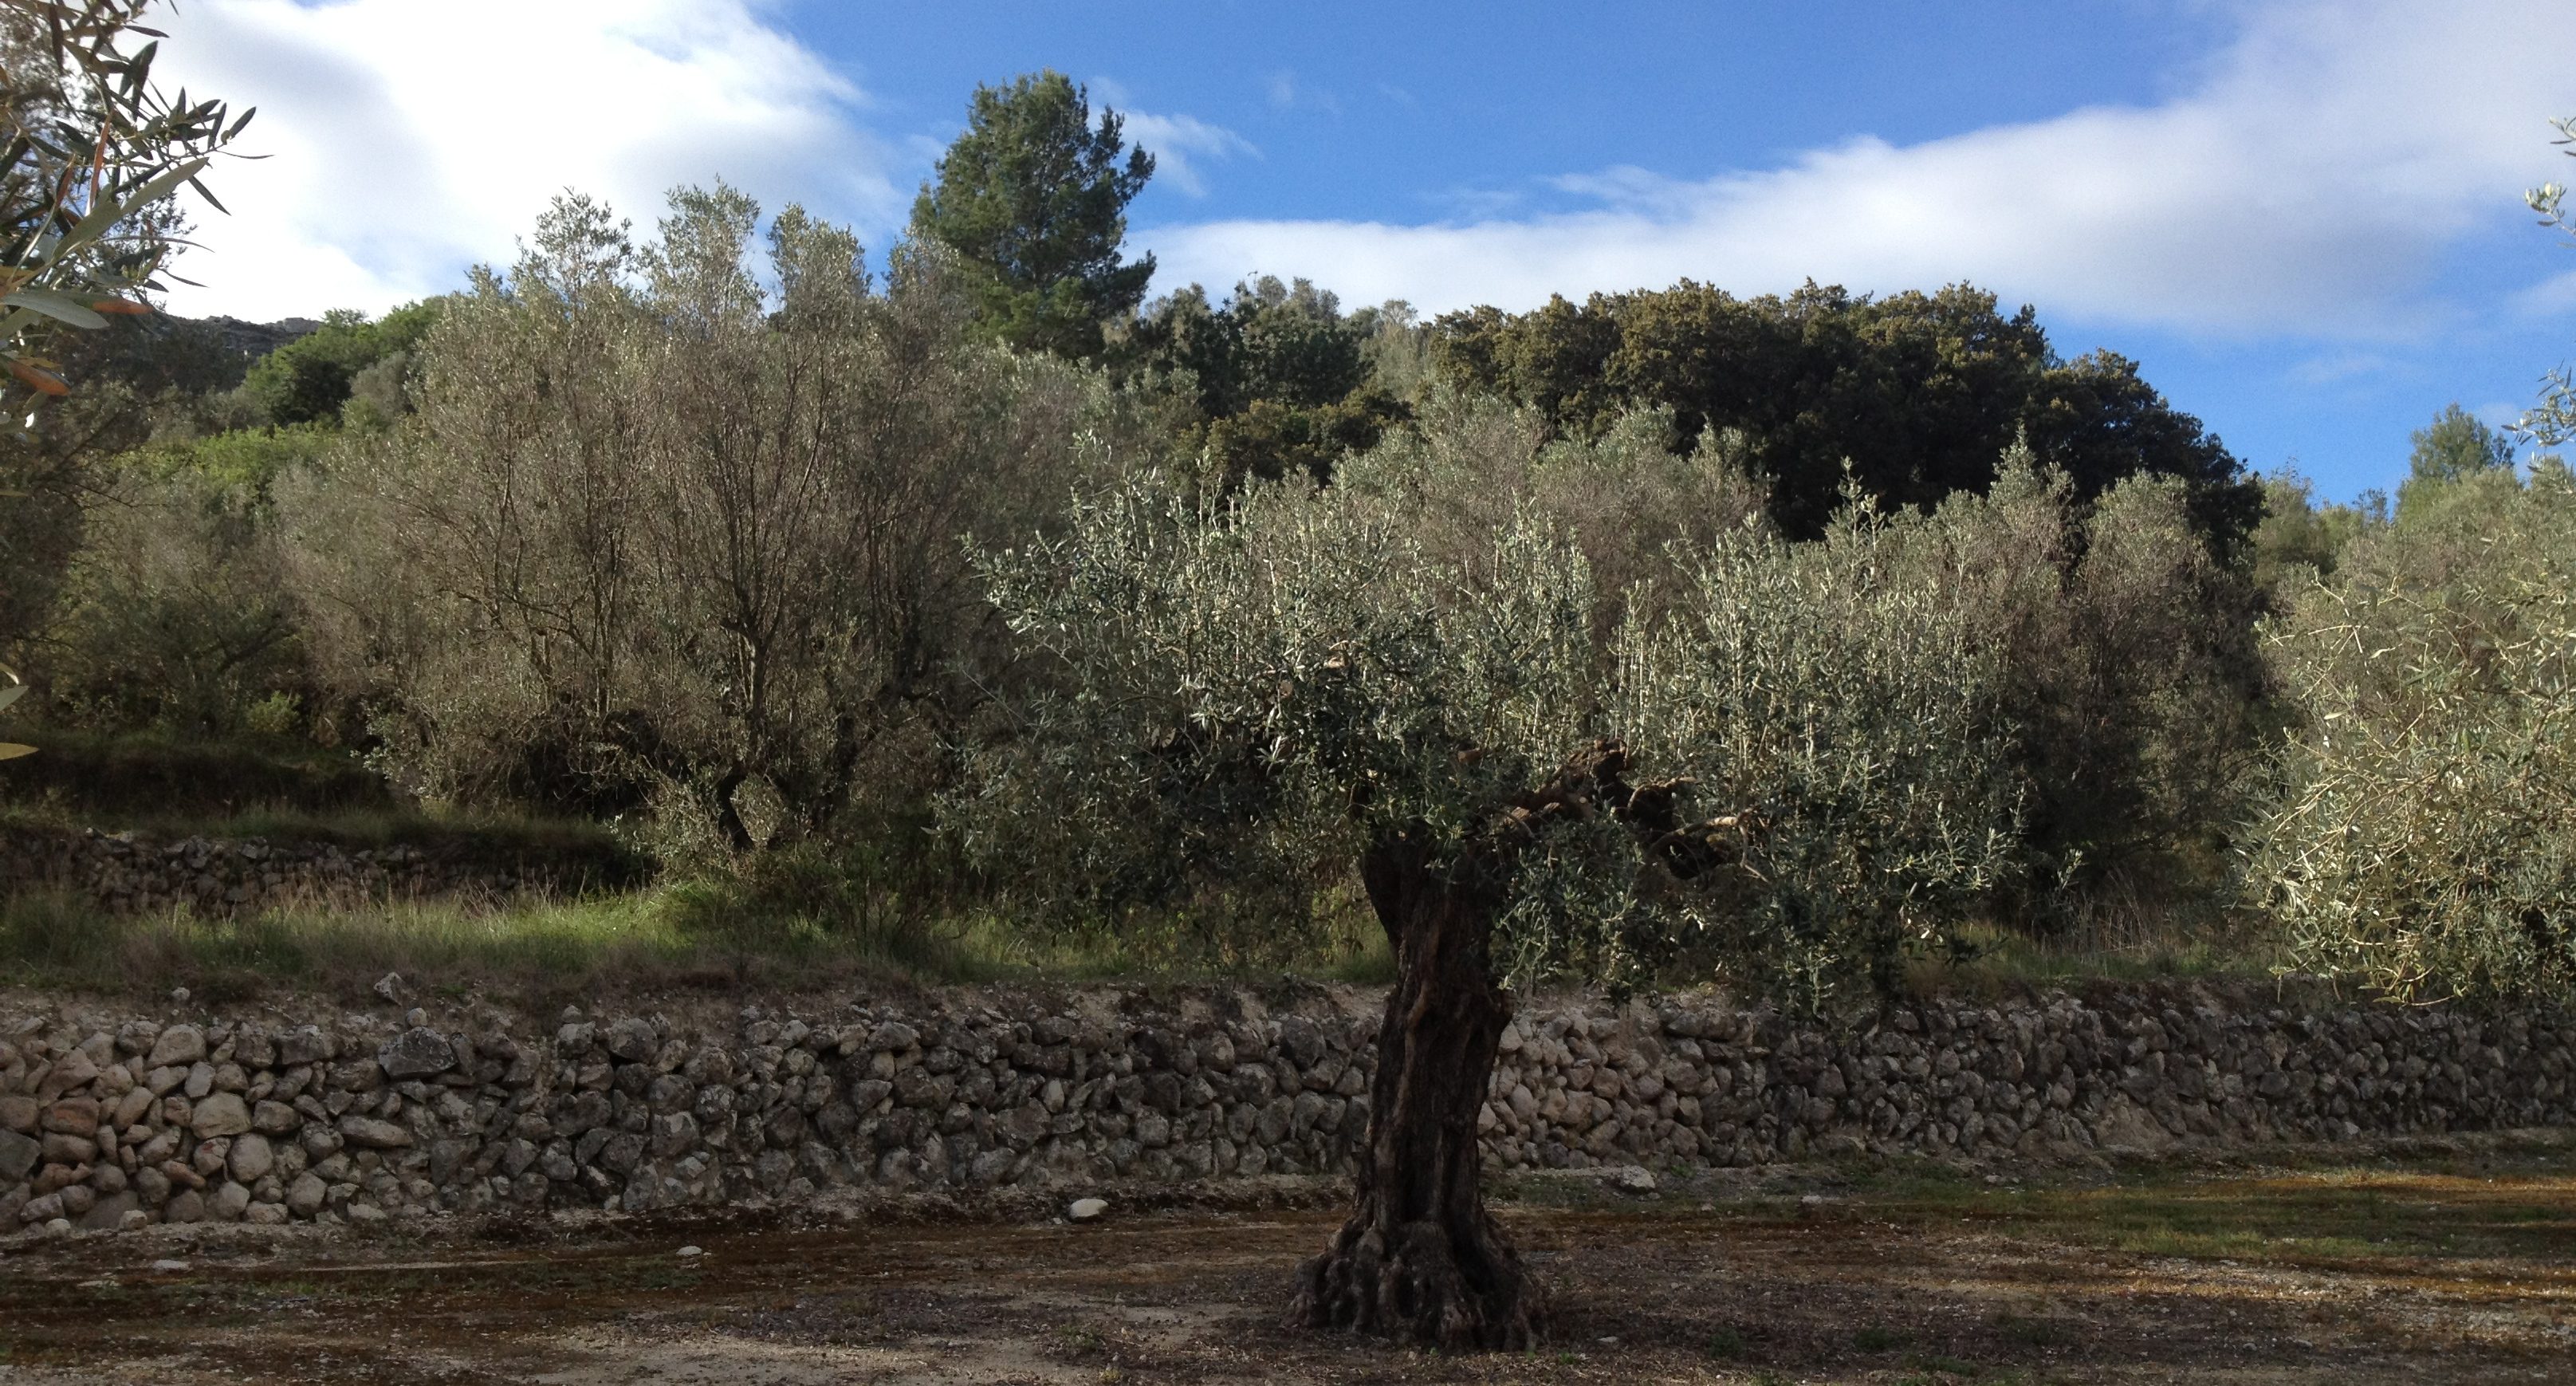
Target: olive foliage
[657,533]
[1254,692]
[2420,838]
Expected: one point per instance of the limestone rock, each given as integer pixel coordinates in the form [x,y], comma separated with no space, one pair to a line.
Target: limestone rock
[178,1046]
[73,1116]
[18,1154]
[222,1114]
[1087,1209]
[252,1158]
[419,1052]
[633,1040]
[371,1133]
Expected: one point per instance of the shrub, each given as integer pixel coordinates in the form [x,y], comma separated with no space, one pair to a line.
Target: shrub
[175,614]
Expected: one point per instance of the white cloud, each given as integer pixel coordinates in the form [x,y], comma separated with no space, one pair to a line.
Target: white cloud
[2553,297]
[2339,367]
[1177,142]
[2300,184]
[408,140]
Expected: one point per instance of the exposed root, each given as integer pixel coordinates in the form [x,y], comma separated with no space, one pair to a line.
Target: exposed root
[1421,1285]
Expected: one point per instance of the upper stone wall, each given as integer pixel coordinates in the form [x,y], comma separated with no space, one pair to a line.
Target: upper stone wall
[127,871]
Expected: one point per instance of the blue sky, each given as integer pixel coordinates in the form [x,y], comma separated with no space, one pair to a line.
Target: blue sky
[2303,218]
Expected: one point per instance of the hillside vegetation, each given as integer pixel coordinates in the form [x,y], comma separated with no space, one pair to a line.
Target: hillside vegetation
[851,589]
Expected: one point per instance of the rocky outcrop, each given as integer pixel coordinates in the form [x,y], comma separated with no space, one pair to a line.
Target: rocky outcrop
[125,1121]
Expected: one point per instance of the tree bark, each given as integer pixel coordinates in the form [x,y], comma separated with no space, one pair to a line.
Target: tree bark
[1420,1259]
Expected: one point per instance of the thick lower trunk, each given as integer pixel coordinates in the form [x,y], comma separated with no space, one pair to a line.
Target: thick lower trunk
[1420,1259]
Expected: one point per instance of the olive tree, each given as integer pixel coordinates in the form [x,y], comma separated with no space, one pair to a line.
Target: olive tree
[2420,836]
[1785,768]
[658,532]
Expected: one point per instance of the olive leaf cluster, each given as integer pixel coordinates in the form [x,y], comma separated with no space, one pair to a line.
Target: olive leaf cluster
[1240,696]
[1838,691]
[2420,837]
[93,150]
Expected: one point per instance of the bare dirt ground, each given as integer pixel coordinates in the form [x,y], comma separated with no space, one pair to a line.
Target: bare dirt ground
[2432,1263]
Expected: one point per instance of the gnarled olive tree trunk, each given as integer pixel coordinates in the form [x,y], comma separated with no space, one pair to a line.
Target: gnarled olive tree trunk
[1420,1258]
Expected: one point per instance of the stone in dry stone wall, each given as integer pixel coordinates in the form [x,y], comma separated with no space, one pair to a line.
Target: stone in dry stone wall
[121,1121]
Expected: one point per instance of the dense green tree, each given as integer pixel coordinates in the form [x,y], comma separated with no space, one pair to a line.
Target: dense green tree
[310,379]
[670,533]
[2420,835]
[1033,200]
[92,156]
[1918,394]
[2299,540]
[2453,447]
[1274,381]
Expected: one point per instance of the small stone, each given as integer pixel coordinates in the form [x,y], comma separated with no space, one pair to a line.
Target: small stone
[1087,1209]
[178,1046]
[133,1220]
[179,994]
[415,1016]
[230,1202]
[305,1196]
[169,1267]
[18,1154]
[223,1114]
[73,1116]
[372,1133]
[418,1052]
[252,1158]
[688,1251]
[633,1040]
[390,988]
[366,1212]
[1633,1179]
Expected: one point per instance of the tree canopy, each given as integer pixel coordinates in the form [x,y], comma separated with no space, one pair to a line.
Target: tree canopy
[1033,199]
[310,379]
[1274,381]
[1917,394]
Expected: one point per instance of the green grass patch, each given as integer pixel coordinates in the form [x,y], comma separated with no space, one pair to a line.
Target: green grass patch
[540,949]
[719,933]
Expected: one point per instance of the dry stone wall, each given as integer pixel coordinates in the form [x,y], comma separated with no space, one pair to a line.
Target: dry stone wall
[118,1121]
[126,871]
